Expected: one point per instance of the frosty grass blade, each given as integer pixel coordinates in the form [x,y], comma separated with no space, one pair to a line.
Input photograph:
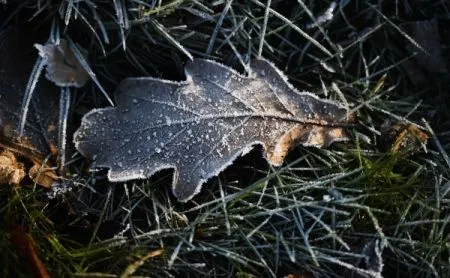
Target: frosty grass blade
[200,126]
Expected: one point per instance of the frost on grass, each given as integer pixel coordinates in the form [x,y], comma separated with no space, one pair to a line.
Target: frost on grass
[63,68]
[201,125]
[325,17]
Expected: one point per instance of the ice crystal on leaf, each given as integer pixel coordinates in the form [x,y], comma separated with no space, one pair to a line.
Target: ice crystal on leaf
[200,126]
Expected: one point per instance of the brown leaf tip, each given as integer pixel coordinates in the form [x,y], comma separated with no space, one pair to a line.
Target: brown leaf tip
[306,135]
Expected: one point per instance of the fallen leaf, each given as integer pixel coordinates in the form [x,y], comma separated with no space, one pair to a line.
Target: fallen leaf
[63,68]
[39,137]
[402,137]
[43,175]
[426,33]
[429,64]
[11,171]
[200,126]
[24,244]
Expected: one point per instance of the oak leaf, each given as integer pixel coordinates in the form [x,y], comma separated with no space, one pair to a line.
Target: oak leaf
[200,126]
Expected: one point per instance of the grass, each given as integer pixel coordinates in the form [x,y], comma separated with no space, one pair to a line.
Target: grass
[356,209]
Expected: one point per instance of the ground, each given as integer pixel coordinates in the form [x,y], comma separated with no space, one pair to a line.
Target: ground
[376,205]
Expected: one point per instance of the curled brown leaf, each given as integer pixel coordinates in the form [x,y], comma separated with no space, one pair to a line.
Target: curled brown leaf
[11,171]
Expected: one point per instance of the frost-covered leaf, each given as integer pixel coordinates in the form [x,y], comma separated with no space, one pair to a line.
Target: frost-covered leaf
[63,67]
[198,127]
[426,33]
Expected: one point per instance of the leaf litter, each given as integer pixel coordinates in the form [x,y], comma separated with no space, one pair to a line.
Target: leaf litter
[200,126]
[39,138]
[11,171]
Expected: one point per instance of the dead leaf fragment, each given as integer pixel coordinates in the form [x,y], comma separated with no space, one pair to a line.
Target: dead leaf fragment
[63,68]
[11,171]
[201,125]
[43,175]
[429,63]
[402,137]
[24,244]
[426,33]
